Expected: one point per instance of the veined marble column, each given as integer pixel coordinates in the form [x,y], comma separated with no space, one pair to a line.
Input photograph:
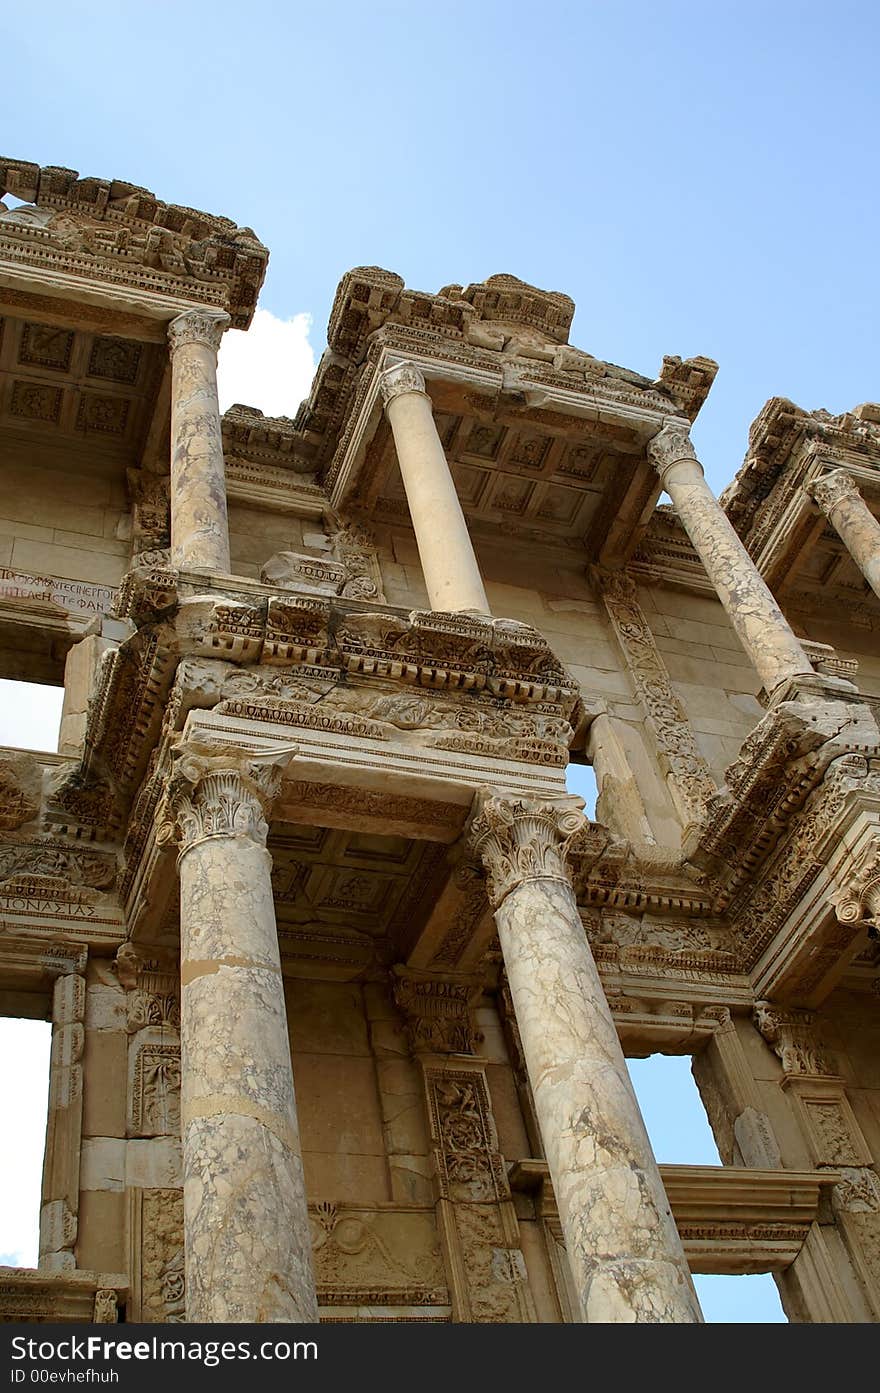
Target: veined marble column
[625,1253]
[449,565]
[762,627]
[199,527]
[840,500]
[246,1230]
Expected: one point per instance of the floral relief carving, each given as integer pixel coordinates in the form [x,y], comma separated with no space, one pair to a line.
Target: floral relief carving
[680,755]
[215,794]
[833,488]
[669,445]
[402,377]
[523,839]
[791,1034]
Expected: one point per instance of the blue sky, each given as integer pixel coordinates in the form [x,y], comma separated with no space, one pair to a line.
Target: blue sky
[700,178]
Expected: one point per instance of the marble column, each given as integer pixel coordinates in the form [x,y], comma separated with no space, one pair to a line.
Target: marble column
[246,1228]
[763,629]
[199,527]
[449,565]
[626,1257]
[840,500]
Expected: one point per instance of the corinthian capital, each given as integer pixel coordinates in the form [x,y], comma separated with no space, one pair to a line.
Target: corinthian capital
[833,488]
[522,839]
[197,326]
[217,792]
[669,446]
[403,377]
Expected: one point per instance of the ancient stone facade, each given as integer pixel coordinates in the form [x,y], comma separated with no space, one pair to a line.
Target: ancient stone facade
[341,977]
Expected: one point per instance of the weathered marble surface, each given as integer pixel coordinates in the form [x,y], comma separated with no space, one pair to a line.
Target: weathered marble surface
[764,631]
[248,1252]
[199,526]
[449,565]
[626,1257]
[840,500]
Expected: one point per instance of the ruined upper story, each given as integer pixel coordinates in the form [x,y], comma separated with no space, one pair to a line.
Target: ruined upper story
[547,446]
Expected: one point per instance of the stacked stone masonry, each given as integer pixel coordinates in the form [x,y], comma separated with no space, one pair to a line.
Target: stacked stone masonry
[342,978]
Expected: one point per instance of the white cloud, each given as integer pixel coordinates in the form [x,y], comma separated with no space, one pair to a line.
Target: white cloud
[270,365]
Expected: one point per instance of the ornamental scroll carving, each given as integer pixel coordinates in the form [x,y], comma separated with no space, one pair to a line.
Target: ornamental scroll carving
[791,1034]
[523,839]
[833,488]
[859,903]
[153,1024]
[197,327]
[403,377]
[690,781]
[214,792]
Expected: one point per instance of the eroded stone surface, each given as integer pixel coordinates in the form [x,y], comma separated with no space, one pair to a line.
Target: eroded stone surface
[622,1243]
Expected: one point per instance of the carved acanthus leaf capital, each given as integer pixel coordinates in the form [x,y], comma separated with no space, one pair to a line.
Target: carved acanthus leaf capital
[197,326]
[791,1034]
[438,1010]
[833,488]
[403,377]
[217,792]
[523,839]
[669,446]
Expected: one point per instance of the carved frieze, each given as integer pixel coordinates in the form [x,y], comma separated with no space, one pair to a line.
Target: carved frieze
[690,782]
[366,1256]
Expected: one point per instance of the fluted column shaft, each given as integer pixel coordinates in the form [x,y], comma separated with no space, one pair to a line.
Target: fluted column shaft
[452,576]
[626,1257]
[199,525]
[763,629]
[246,1229]
[840,500]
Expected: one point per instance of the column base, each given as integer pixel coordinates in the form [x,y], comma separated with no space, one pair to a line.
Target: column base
[816,686]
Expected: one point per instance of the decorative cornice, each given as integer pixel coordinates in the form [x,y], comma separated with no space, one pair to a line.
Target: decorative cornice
[521,840]
[197,327]
[395,381]
[118,235]
[669,446]
[217,792]
[833,488]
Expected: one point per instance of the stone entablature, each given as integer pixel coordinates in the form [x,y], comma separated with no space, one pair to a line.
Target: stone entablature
[782,501]
[117,234]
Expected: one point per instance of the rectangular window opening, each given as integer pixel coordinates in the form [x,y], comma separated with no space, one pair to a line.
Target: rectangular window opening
[30,715]
[679,1132]
[580,779]
[25,1046]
